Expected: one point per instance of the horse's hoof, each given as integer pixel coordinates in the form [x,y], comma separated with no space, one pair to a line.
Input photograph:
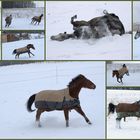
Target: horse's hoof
[89,123]
[39,125]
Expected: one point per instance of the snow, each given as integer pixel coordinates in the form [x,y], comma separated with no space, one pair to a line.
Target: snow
[22,18]
[7,49]
[110,47]
[19,82]
[136,48]
[129,129]
[136,5]
[131,80]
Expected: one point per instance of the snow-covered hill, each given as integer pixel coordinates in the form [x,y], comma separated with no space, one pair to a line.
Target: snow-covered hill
[112,47]
[18,82]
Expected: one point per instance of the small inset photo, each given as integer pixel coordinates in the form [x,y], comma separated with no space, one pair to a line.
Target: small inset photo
[89,30]
[17,45]
[123,116]
[123,73]
[136,30]
[23,15]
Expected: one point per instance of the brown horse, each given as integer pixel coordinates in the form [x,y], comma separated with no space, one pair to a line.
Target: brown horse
[36,19]
[65,99]
[119,76]
[25,49]
[124,110]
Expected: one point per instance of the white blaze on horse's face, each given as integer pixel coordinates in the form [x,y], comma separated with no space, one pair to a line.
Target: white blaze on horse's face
[137,35]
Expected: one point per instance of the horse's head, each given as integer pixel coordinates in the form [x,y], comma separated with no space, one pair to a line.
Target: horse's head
[137,35]
[86,83]
[31,46]
[114,73]
[41,15]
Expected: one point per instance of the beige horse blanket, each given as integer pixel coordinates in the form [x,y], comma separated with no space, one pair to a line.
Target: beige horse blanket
[122,71]
[55,99]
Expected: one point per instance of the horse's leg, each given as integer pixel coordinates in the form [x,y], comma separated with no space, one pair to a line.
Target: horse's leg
[80,111]
[118,80]
[29,54]
[118,121]
[38,113]
[32,53]
[66,113]
[124,119]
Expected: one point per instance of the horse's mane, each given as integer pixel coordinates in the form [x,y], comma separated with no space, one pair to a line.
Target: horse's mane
[75,79]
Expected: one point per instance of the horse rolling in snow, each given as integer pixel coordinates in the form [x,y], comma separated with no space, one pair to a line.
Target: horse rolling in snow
[8,21]
[36,19]
[22,50]
[65,99]
[137,35]
[124,110]
[120,73]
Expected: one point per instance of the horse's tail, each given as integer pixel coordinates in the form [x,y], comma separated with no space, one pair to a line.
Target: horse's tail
[30,102]
[14,51]
[111,108]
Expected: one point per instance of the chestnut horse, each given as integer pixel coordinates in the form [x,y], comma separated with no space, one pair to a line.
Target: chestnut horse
[124,110]
[64,99]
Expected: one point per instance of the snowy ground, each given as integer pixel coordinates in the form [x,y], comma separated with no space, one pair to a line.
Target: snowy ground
[22,18]
[131,80]
[130,128]
[7,49]
[18,82]
[136,48]
[111,47]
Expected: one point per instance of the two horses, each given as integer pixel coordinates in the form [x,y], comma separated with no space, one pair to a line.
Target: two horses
[124,110]
[63,100]
[34,20]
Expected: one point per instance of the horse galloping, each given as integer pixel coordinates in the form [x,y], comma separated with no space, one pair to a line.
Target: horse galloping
[120,73]
[22,50]
[36,19]
[124,110]
[64,99]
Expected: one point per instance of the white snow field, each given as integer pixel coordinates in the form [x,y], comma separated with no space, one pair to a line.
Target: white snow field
[22,18]
[8,47]
[111,47]
[136,48]
[19,82]
[131,80]
[129,129]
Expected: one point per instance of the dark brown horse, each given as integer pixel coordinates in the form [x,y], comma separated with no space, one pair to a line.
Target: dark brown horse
[124,110]
[118,75]
[36,19]
[64,100]
[25,49]
[8,21]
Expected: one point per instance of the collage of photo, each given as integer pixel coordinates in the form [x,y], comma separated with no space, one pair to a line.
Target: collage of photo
[69,69]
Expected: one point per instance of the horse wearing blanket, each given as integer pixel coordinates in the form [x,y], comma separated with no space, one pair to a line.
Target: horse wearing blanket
[25,49]
[120,73]
[124,110]
[65,99]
